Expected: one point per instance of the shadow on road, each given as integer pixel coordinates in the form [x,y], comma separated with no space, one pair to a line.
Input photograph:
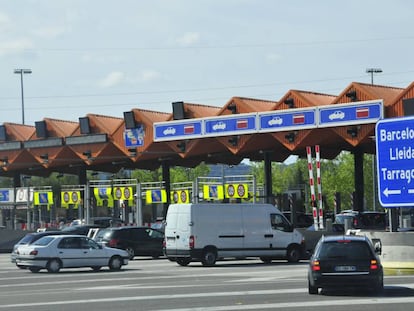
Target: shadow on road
[389,291]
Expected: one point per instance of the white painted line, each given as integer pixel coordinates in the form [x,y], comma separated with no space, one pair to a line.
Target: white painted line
[367,301]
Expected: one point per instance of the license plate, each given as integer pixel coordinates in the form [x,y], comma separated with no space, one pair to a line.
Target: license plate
[345,268]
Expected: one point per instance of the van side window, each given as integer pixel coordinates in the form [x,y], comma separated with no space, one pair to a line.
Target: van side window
[279,222]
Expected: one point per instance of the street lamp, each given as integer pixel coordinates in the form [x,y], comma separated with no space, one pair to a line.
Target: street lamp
[374,187]
[21,72]
[372,71]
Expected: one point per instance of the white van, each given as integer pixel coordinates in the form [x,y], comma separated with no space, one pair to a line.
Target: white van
[207,232]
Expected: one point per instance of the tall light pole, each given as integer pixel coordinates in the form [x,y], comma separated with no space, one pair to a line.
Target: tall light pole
[372,71]
[374,188]
[22,72]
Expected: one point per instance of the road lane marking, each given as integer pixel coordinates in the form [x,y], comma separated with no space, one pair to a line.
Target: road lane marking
[279,305]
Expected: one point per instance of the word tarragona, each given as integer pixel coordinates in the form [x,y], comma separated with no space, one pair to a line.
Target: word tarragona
[397,174]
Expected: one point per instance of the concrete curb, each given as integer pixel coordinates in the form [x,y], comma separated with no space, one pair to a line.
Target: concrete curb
[398,268]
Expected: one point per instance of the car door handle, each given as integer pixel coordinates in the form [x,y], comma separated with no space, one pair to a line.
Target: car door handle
[268,235]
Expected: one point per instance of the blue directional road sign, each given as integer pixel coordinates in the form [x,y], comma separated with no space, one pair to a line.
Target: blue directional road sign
[349,114]
[134,137]
[395,161]
[287,120]
[176,130]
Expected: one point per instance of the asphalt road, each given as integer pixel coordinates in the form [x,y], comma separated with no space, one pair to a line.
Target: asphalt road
[149,284]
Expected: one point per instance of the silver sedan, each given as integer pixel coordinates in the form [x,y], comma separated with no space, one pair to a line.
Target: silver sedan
[69,251]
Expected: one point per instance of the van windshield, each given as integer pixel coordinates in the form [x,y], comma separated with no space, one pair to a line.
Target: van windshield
[279,222]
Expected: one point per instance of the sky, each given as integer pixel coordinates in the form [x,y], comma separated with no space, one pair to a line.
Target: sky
[106,57]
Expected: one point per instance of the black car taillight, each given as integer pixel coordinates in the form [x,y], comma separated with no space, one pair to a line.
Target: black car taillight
[113,242]
[374,265]
[315,265]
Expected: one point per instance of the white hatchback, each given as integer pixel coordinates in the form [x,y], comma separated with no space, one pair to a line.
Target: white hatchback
[69,251]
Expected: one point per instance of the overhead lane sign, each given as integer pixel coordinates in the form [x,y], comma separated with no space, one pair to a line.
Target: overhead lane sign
[287,120]
[177,130]
[231,125]
[395,161]
[350,114]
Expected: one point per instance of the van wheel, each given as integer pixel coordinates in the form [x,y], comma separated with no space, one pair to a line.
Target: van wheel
[209,258]
[183,261]
[293,254]
[34,269]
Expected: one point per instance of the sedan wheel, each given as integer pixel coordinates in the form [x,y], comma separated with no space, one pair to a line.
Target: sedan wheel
[266,260]
[53,266]
[115,263]
[34,269]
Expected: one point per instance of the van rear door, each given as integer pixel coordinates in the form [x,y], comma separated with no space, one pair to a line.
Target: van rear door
[177,229]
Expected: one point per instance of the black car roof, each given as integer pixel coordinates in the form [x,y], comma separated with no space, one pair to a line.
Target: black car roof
[333,238]
[45,233]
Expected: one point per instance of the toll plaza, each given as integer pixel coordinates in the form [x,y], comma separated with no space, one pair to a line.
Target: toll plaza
[244,128]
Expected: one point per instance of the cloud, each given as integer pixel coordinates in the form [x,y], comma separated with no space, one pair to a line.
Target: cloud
[15,46]
[189,38]
[4,22]
[49,32]
[273,58]
[112,79]
[95,58]
[149,75]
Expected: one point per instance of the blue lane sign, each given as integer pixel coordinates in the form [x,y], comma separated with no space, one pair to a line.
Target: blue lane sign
[395,161]
[230,125]
[349,114]
[290,120]
[176,130]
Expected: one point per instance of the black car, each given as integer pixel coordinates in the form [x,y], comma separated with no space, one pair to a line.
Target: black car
[80,229]
[137,241]
[345,261]
[303,220]
[29,238]
[366,220]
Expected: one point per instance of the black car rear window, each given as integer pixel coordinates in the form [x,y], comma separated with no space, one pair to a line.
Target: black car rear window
[44,240]
[345,249]
[28,238]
